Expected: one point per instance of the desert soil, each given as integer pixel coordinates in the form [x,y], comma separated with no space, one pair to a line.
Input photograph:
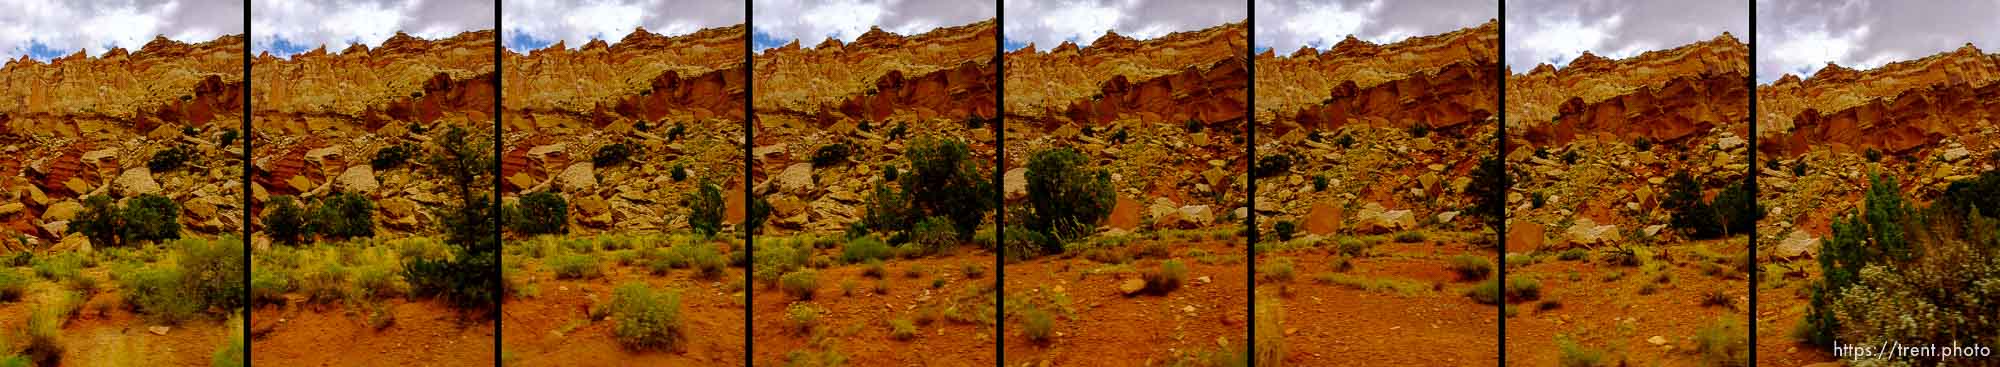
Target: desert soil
[1609,313]
[855,325]
[1097,325]
[553,328]
[1329,324]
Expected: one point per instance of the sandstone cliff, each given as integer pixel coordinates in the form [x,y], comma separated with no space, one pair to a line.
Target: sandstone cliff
[1896,108]
[83,125]
[1442,81]
[873,96]
[320,118]
[1165,117]
[677,102]
[1664,95]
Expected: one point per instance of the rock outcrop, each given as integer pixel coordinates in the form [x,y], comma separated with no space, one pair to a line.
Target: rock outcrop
[1896,108]
[1665,96]
[83,125]
[1443,81]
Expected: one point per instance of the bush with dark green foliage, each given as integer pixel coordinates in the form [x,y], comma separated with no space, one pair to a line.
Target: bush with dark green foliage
[1284,229]
[1319,182]
[1122,136]
[1166,279]
[865,248]
[889,209]
[611,154]
[392,156]
[800,284]
[170,158]
[1488,191]
[1893,272]
[12,285]
[343,215]
[540,212]
[1067,196]
[945,181]
[207,274]
[1872,155]
[284,221]
[1273,165]
[705,209]
[1569,157]
[934,235]
[679,172]
[1344,141]
[228,137]
[648,319]
[1192,126]
[1734,210]
[1420,129]
[1642,144]
[889,173]
[1799,167]
[149,217]
[98,222]
[758,212]
[679,130]
[469,279]
[831,154]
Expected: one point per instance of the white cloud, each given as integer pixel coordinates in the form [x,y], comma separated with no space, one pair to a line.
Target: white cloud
[1324,25]
[1800,37]
[1047,23]
[1557,31]
[575,23]
[810,21]
[1805,53]
[1557,41]
[96,27]
[1286,25]
[335,25]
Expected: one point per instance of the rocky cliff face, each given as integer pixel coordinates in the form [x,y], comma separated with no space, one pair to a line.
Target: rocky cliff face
[1164,116]
[1665,95]
[320,119]
[1393,130]
[874,96]
[1897,108]
[1930,122]
[80,125]
[676,102]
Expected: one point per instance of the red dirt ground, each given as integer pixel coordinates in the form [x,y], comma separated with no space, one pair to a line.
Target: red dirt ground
[1328,324]
[553,328]
[1613,316]
[1779,310]
[426,333]
[119,337]
[1110,329]
[857,324]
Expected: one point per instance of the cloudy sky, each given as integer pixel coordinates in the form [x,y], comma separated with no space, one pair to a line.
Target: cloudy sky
[534,24]
[1800,37]
[286,27]
[47,29]
[1285,25]
[1047,23]
[779,22]
[1557,31]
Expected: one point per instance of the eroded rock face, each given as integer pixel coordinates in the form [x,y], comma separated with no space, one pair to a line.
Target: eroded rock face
[1197,75]
[1666,96]
[947,72]
[1897,108]
[644,77]
[1443,81]
[83,125]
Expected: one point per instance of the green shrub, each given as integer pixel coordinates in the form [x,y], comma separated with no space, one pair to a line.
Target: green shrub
[284,221]
[831,154]
[540,212]
[802,317]
[800,284]
[212,271]
[755,215]
[1280,270]
[864,249]
[1883,268]
[1733,211]
[647,318]
[1573,254]
[1470,267]
[1410,237]
[1319,182]
[44,337]
[228,137]
[392,156]
[889,209]
[1873,155]
[342,216]
[936,234]
[902,329]
[1419,129]
[705,209]
[234,347]
[1192,126]
[611,154]
[1167,278]
[158,293]
[1037,325]
[945,181]
[679,172]
[1488,190]
[1284,229]
[577,266]
[149,217]
[171,158]
[1523,289]
[12,285]
[1572,354]
[1723,343]
[1068,199]
[1642,144]
[890,173]
[703,258]
[1487,292]
[59,267]
[268,285]
[1273,165]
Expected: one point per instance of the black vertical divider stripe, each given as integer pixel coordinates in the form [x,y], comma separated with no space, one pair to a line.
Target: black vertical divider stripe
[999,175]
[1250,159]
[749,199]
[1755,192]
[246,136]
[499,263]
[1506,183]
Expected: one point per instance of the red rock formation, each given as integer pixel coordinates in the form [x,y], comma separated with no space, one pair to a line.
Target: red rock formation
[166,83]
[1664,95]
[1197,75]
[947,72]
[1896,108]
[406,79]
[1443,80]
[644,77]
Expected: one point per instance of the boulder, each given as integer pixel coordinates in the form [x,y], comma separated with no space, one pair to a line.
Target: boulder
[1374,219]
[795,179]
[1587,232]
[136,181]
[1200,215]
[64,210]
[358,179]
[1797,245]
[1323,218]
[1524,236]
[578,177]
[1131,286]
[1015,182]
